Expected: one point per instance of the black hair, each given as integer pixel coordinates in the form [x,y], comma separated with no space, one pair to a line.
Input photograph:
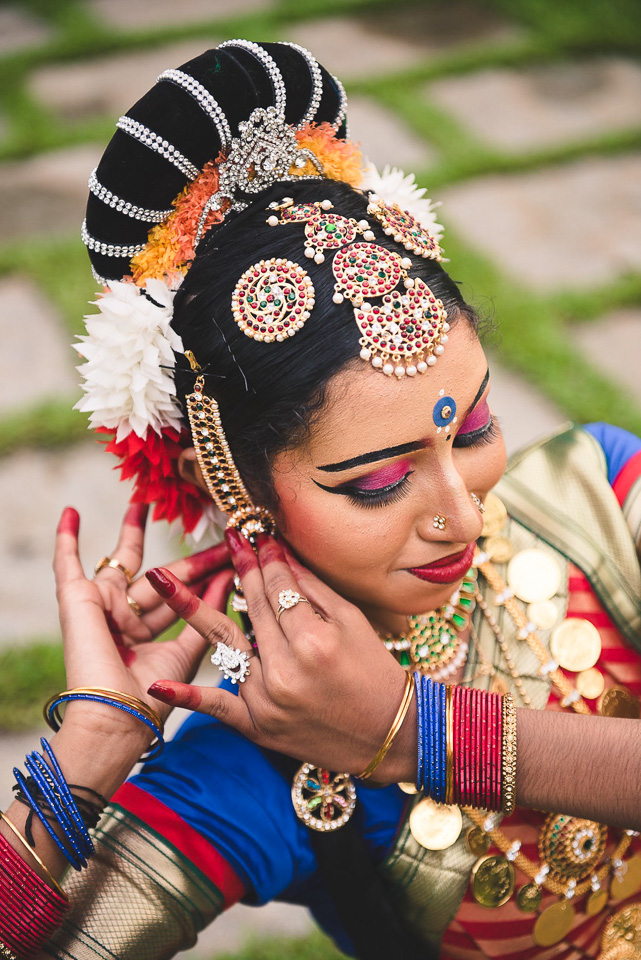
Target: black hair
[269,393]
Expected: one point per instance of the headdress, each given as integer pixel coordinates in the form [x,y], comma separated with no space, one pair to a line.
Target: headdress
[206,139]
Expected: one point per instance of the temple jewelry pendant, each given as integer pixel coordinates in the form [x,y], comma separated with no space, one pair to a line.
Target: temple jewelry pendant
[322,800]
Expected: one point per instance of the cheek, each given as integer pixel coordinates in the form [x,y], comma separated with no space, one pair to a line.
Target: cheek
[332,539]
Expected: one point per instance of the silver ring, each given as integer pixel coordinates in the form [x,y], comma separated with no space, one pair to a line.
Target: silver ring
[232,662]
[288,599]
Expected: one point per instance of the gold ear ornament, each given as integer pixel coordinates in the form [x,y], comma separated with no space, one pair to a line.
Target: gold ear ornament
[218,468]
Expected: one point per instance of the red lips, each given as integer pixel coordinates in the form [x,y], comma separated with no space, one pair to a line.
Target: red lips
[448,569]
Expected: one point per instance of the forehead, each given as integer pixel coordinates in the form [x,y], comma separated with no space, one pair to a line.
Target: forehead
[365,410]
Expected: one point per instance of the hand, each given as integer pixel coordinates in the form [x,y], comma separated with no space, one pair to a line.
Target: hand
[105,643]
[324,689]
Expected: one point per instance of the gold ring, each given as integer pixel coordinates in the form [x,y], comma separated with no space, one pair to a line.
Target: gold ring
[134,605]
[288,599]
[115,565]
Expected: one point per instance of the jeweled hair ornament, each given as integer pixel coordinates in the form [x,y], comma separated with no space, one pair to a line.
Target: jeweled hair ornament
[241,116]
[406,332]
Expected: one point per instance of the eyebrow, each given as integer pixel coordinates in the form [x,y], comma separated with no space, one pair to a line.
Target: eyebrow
[387,452]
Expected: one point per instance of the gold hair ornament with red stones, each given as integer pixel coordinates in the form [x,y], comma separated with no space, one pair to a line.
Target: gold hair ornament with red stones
[406,333]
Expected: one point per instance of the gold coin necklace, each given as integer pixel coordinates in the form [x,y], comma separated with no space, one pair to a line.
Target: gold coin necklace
[433,644]
[570,848]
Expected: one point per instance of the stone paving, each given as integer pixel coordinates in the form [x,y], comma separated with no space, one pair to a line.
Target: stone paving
[572,226]
[562,226]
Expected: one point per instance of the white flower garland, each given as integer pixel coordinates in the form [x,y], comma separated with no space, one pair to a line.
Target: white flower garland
[130,351]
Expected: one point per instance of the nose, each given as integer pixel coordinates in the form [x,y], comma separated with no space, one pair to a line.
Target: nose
[447,512]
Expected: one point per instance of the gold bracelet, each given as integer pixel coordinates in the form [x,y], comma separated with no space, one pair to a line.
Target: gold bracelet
[508,765]
[393,731]
[6,953]
[54,883]
[449,751]
[54,720]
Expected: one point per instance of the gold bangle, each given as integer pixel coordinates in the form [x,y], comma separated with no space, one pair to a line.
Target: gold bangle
[393,731]
[508,765]
[449,752]
[54,883]
[54,720]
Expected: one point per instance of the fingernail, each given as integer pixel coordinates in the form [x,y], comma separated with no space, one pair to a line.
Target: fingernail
[69,521]
[162,584]
[234,540]
[262,539]
[161,691]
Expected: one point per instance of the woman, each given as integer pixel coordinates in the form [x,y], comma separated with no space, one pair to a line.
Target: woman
[331,387]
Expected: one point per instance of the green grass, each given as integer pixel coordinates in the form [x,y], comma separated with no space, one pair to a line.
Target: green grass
[314,947]
[28,677]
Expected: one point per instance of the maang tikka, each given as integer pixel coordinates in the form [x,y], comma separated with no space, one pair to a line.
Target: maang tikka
[217,464]
[402,335]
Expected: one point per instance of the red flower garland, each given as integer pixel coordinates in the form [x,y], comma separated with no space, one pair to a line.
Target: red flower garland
[153,463]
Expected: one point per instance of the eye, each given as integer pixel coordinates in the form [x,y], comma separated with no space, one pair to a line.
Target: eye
[478,427]
[370,497]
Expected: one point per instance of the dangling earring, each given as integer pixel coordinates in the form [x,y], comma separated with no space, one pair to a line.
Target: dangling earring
[217,466]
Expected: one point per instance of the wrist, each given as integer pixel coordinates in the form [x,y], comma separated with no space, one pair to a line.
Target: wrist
[97,750]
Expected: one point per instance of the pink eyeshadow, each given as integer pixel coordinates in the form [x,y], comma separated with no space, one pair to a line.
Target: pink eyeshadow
[479,417]
[382,478]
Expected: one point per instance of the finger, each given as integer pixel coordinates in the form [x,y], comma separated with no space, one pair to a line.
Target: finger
[129,549]
[259,609]
[81,616]
[66,560]
[278,579]
[221,704]
[213,590]
[191,570]
[214,626]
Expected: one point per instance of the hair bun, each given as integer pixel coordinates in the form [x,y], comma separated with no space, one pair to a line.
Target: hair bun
[185,120]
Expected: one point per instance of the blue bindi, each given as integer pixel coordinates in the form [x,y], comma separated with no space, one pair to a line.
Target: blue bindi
[444,411]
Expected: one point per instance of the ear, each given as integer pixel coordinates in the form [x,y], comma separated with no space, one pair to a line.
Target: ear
[189,469]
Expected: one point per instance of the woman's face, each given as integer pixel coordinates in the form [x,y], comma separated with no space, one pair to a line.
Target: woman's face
[384,458]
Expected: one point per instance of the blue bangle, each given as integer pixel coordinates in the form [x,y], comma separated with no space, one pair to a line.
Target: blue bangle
[54,789]
[419,730]
[439,786]
[68,799]
[99,698]
[436,740]
[47,789]
[431,739]
[443,741]
[68,855]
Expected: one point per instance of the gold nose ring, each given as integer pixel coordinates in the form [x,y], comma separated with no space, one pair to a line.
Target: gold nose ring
[439,522]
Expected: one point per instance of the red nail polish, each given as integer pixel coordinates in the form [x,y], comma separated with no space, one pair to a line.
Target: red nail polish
[235,541]
[137,514]
[161,691]
[162,584]
[69,521]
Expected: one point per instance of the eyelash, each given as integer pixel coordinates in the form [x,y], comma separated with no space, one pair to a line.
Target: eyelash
[476,438]
[378,498]
[395,492]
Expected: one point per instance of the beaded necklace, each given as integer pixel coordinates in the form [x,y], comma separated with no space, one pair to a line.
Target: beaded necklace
[433,643]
